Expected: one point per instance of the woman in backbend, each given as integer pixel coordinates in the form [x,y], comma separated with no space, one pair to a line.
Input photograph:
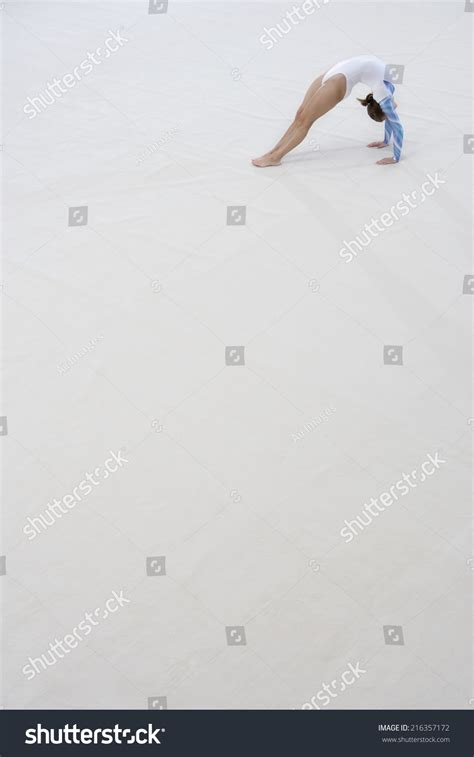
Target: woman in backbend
[330,89]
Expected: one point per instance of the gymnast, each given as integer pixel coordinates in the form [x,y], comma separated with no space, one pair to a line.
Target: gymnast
[331,88]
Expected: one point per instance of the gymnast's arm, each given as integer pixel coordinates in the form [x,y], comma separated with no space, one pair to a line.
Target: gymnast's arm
[393,127]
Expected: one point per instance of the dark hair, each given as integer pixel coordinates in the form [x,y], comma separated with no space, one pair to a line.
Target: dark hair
[373,108]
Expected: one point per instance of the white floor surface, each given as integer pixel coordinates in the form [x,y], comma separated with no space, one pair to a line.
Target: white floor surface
[115,337]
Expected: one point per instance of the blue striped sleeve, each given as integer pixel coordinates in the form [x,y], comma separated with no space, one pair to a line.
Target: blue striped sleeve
[393,127]
[388,132]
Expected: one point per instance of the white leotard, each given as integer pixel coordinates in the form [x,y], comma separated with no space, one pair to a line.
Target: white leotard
[364,69]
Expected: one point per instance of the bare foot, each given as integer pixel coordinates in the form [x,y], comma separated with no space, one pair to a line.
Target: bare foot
[387,162]
[265,161]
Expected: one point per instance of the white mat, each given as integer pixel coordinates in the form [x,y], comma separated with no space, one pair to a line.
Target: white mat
[116,332]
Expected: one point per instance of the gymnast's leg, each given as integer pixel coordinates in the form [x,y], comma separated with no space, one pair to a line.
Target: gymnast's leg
[319,99]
